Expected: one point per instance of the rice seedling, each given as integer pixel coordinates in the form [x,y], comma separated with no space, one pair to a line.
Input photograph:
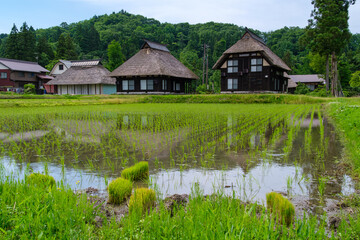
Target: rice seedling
[119,190]
[40,180]
[139,171]
[141,201]
[281,207]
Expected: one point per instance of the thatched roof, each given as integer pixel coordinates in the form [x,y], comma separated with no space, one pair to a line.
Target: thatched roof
[84,75]
[308,78]
[153,59]
[249,43]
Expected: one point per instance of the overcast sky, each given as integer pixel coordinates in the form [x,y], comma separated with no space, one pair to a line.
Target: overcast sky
[264,15]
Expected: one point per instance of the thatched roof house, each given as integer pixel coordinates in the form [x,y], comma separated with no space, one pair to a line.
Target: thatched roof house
[249,65]
[92,79]
[153,70]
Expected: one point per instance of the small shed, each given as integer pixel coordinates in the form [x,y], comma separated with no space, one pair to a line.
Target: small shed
[86,80]
[153,70]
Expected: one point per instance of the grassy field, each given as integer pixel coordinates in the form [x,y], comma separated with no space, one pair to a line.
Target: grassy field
[29,212]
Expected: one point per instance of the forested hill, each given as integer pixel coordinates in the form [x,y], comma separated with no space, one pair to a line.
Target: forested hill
[89,39]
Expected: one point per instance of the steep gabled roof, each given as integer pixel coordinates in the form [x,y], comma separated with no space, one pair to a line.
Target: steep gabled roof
[249,43]
[23,66]
[84,75]
[153,60]
[154,45]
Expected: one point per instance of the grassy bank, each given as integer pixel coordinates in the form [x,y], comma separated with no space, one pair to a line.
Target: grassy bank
[346,116]
[235,98]
[29,212]
[74,100]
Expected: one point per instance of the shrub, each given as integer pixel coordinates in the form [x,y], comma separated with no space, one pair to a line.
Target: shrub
[29,88]
[139,171]
[119,189]
[302,89]
[282,208]
[40,180]
[320,91]
[142,200]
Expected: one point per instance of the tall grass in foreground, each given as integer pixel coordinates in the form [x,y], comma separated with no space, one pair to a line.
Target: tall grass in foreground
[28,212]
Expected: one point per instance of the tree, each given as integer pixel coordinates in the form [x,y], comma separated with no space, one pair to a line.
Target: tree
[44,51]
[66,48]
[355,80]
[12,49]
[328,32]
[27,43]
[115,55]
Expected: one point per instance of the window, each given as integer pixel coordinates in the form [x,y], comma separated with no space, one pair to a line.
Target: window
[128,85]
[177,86]
[164,85]
[232,84]
[3,75]
[147,85]
[31,75]
[256,65]
[21,74]
[61,67]
[233,66]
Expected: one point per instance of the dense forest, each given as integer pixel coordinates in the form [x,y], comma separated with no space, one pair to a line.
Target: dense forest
[90,39]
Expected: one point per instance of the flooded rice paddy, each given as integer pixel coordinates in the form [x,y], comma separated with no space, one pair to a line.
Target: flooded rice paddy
[241,150]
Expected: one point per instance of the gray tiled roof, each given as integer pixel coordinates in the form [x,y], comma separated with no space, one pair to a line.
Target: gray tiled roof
[23,66]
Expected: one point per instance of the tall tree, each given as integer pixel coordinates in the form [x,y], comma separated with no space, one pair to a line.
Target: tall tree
[115,55]
[66,48]
[44,51]
[27,43]
[328,32]
[12,49]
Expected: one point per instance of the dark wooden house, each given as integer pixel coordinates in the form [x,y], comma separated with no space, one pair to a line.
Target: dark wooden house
[250,66]
[14,74]
[153,70]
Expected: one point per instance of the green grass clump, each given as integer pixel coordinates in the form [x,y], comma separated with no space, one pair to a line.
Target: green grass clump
[141,200]
[282,208]
[139,171]
[39,179]
[119,190]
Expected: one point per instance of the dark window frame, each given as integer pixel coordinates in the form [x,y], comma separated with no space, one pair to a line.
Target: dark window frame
[61,67]
[258,64]
[232,66]
[234,84]
[148,86]
[130,85]
[5,74]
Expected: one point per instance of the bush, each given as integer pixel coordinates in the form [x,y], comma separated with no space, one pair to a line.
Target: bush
[40,180]
[320,91]
[139,171]
[202,89]
[119,189]
[29,88]
[142,200]
[282,208]
[302,89]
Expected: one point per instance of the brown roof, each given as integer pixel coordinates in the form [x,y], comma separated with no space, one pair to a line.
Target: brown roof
[250,42]
[153,60]
[84,75]
[23,66]
[309,78]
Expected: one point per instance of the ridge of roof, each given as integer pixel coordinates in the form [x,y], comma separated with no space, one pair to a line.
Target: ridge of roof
[155,45]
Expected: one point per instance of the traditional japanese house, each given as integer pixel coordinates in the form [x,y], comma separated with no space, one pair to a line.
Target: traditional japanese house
[14,74]
[62,65]
[250,66]
[153,70]
[312,81]
[86,80]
